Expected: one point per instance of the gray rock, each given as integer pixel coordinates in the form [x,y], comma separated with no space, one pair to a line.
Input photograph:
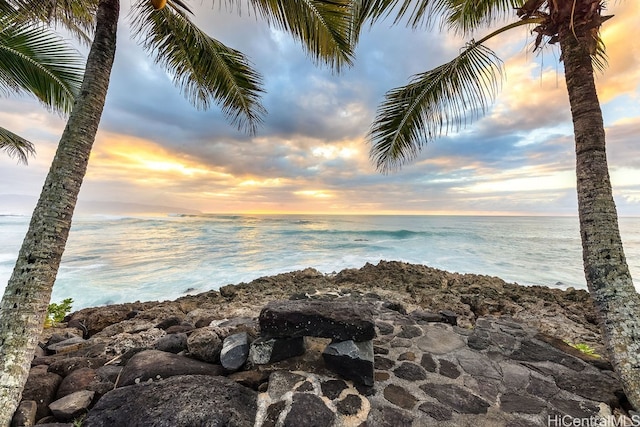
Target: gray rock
[456,398]
[66,345]
[64,366]
[410,371]
[271,350]
[439,338]
[172,343]
[422,316]
[308,410]
[182,401]
[78,380]
[41,387]
[449,317]
[410,331]
[538,351]
[428,363]
[435,411]
[337,320]
[281,382]
[399,396]
[235,350]
[205,344]
[352,360]
[512,402]
[478,366]
[448,369]
[350,405]
[333,388]
[25,415]
[389,416]
[155,365]
[72,405]
[109,373]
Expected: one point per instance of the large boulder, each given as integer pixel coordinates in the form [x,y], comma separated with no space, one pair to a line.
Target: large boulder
[205,344]
[182,401]
[338,320]
[155,365]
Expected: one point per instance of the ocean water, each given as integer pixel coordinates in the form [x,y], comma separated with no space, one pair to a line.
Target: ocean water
[124,259]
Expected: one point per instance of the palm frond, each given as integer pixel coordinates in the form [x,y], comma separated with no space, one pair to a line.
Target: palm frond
[417,13]
[205,69]
[324,27]
[599,54]
[35,60]
[16,146]
[444,99]
[465,16]
[77,16]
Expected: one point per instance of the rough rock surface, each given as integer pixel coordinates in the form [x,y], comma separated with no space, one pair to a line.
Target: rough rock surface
[338,320]
[152,365]
[505,364]
[183,401]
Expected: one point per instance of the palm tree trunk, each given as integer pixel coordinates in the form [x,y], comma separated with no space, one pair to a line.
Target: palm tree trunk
[605,266]
[26,298]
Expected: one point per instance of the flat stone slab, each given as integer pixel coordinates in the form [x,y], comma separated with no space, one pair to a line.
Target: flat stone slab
[182,401]
[338,320]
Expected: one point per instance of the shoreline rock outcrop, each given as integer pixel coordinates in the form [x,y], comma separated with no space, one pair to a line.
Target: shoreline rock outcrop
[387,345]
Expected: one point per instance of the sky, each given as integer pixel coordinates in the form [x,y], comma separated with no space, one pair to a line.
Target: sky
[155,152]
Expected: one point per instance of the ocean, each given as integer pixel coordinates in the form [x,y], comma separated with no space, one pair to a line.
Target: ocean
[124,259]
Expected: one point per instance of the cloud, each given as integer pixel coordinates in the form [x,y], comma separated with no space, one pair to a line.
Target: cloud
[310,154]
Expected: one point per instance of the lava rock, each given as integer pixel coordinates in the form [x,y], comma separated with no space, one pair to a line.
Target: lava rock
[182,401]
[337,320]
[235,350]
[154,365]
[352,360]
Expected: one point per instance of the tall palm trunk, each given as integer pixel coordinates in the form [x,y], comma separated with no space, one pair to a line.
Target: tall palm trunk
[26,298]
[605,266]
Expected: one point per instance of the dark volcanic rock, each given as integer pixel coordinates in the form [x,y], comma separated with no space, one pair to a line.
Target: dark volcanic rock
[183,401]
[352,360]
[308,410]
[263,351]
[156,365]
[399,396]
[78,380]
[25,415]
[172,343]
[457,398]
[72,405]
[410,371]
[41,387]
[338,320]
[235,350]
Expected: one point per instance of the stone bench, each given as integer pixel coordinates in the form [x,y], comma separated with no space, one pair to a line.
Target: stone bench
[350,326]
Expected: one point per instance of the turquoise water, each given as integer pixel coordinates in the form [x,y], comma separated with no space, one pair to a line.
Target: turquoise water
[123,259]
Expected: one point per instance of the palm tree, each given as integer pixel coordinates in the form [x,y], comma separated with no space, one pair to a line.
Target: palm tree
[454,94]
[206,70]
[33,59]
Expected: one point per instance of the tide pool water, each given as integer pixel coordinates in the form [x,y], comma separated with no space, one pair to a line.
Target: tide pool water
[124,259]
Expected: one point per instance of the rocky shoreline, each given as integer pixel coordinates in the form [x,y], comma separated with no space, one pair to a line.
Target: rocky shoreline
[449,349]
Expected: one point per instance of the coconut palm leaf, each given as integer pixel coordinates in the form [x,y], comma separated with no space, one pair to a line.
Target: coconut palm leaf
[205,69]
[460,15]
[35,60]
[76,16]
[465,16]
[324,27]
[15,146]
[435,102]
